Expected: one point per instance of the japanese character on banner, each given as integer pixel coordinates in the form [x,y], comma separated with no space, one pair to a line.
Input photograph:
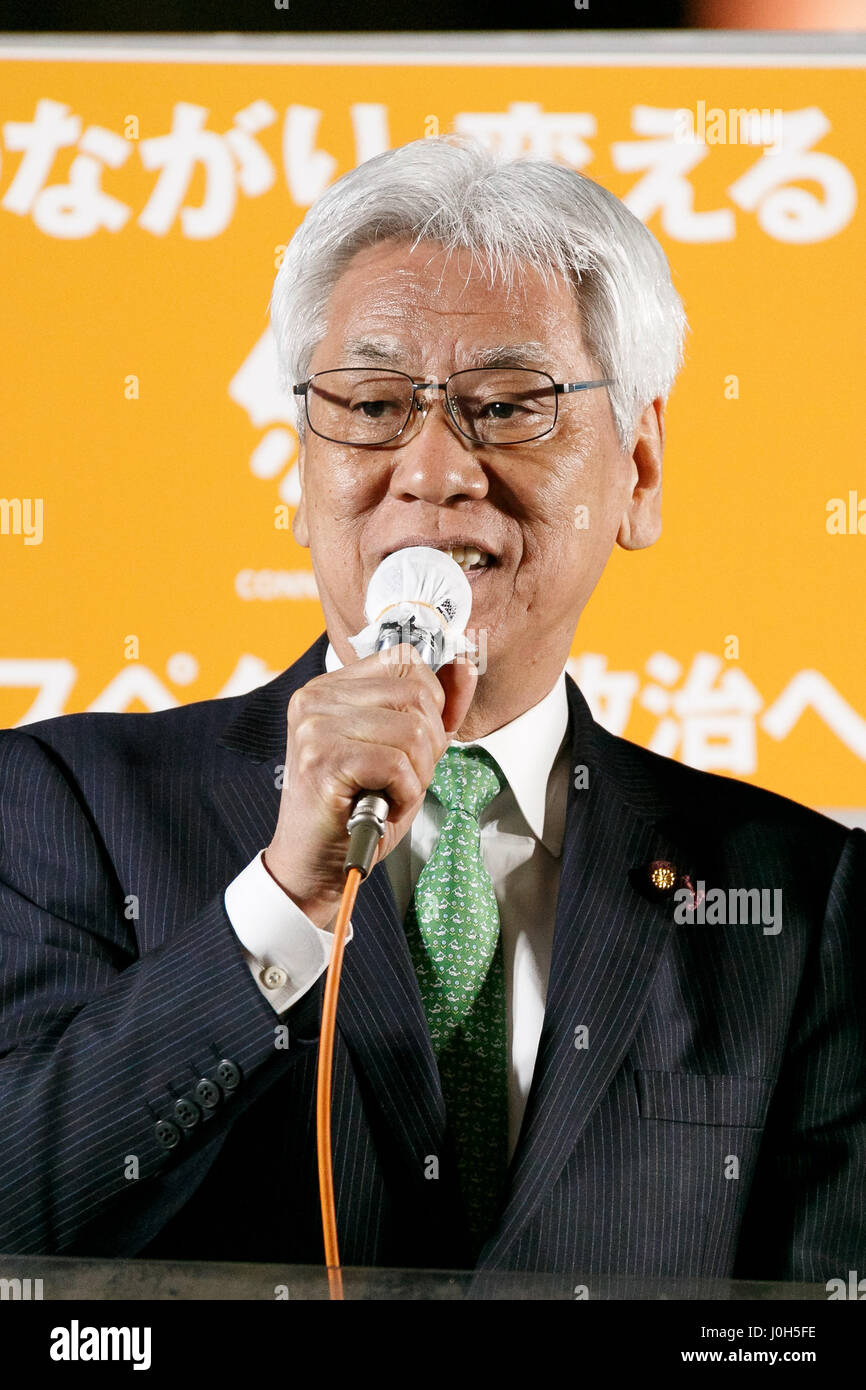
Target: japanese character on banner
[136,684]
[309,170]
[370,129]
[256,388]
[52,679]
[811,690]
[710,721]
[793,214]
[524,129]
[668,156]
[228,161]
[711,726]
[77,208]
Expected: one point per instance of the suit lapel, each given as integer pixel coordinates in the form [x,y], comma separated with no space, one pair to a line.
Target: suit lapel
[608,940]
[380,1014]
[381,1018]
[244,791]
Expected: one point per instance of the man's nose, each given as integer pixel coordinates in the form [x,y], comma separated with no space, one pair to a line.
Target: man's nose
[437,463]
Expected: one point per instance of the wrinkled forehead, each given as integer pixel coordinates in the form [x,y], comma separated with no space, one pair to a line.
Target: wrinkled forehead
[394,301]
[390,352]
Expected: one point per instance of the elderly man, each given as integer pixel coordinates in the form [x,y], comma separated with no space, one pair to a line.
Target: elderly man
[481,352]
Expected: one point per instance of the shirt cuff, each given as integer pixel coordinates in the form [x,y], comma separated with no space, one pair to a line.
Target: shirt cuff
[284,951]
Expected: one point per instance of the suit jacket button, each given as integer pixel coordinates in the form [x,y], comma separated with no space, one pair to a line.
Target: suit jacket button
[228,1075]
[208,1094]
[167,1134]
[186,1112]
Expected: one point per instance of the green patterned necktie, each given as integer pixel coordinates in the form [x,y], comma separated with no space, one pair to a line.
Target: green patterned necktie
[452,927]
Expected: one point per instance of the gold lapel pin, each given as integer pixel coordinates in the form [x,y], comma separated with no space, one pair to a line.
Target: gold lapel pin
[662,877]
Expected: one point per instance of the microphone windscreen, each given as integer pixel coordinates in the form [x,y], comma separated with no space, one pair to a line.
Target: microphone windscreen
[425,585]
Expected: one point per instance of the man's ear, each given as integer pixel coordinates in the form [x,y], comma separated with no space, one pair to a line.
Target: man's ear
[300,530]
[641,522]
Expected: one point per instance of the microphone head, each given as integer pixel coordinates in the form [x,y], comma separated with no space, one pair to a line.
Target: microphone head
[423,589]
[419,574]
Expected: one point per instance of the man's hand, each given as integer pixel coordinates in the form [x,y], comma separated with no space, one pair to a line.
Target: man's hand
[380,724]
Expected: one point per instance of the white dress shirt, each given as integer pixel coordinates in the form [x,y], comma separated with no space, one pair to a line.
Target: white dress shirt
[521,844]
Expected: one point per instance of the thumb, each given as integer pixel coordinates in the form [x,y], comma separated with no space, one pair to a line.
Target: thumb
[459,680]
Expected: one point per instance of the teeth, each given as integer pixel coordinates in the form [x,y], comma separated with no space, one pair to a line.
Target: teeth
[466,556]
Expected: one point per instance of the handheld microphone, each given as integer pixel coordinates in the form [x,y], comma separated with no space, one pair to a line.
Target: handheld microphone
[421,596]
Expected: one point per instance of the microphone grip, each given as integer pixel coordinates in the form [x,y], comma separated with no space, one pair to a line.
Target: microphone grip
[366,825]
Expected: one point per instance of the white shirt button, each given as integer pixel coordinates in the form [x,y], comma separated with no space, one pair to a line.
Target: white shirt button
[272,977]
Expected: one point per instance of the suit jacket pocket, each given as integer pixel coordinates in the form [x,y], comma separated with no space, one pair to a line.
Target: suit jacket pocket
[703,1100]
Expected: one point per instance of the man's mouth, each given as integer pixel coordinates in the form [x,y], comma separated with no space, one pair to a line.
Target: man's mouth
[470,559]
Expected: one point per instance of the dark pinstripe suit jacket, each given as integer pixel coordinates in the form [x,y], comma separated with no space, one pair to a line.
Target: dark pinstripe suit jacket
[715,1124]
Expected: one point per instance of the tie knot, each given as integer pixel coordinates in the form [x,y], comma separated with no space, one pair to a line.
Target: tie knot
[466,779]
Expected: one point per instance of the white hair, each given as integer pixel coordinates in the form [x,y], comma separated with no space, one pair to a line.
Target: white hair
[507,214]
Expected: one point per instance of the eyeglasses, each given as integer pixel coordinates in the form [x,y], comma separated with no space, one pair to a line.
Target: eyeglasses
[365,406]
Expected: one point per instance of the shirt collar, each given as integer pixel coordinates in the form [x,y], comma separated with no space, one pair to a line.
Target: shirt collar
[525,749]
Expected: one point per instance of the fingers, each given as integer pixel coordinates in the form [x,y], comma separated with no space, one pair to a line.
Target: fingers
[375,725]
[384,750]
[394,679]
[459,681]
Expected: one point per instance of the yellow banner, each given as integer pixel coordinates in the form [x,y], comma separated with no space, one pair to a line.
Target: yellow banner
[148,458]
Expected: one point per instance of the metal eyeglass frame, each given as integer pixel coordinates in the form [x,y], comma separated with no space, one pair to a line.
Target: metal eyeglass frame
[561,388]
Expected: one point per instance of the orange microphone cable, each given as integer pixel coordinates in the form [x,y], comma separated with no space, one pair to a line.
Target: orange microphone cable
[365,830]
